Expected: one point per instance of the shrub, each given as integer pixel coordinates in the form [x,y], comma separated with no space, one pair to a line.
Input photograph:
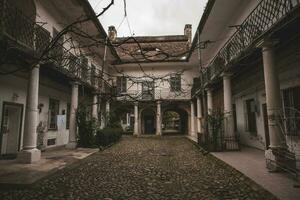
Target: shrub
[108,136]
[86,129]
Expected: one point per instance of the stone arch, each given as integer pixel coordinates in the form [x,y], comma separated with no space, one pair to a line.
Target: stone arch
[148,120]
[181,123]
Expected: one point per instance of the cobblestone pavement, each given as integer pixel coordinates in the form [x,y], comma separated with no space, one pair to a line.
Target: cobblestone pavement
[145,168]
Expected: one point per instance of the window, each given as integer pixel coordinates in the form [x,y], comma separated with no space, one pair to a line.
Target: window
[175,82]
[53,112]
[68,115]
[57,52]
[121,84]
[84,67]
[291,105]
[250,116]
[234,117]
[93,75]
[51,142]
[147,90]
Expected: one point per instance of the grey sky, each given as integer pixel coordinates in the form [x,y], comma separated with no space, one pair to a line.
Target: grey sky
[151,17]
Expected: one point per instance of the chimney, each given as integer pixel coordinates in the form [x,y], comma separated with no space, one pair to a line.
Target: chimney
[188,32]
[112,33]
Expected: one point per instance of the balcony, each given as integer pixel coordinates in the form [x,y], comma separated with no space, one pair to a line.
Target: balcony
[158,94]
[25,34]
[261,20]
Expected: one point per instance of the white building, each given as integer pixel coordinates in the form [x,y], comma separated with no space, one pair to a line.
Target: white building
[39,99]
[250,72]
[153,79]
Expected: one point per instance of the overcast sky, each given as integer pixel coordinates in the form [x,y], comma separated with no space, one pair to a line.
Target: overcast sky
[151,17]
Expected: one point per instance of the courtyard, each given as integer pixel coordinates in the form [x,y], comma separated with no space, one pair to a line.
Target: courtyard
[145,168]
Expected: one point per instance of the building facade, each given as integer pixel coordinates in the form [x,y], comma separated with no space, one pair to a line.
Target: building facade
[43,81]
[250,74]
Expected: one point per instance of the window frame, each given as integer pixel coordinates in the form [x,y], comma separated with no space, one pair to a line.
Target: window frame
[56,112]
[250,116]
[175,83]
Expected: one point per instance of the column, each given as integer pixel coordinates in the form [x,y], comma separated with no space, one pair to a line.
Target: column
[158,118]
[272,86]
[73,125]
[199,115]
[192,119]
[209,101]
[95,107]
[136,119]
[228,112]
[30,153]
[274,108]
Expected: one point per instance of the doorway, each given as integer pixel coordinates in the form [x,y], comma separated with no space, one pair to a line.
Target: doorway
[148,121]
[11,127]
[266,125]
[149,125]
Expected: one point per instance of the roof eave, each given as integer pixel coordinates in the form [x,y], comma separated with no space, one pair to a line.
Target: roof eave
[210,4]
[100,28]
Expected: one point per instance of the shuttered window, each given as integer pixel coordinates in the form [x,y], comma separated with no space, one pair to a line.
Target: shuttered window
[250,116]
[121,84]
[175,83]
[53,112]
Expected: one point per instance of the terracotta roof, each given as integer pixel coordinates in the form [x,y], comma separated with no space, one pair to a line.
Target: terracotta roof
[152,48]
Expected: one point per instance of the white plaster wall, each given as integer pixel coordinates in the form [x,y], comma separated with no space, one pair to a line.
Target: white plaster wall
[9,86]
[17,86]
[46,92]
[162,87]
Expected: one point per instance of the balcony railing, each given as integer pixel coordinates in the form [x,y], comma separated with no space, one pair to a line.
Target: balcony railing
[158,94]
[31,36]
[266,14]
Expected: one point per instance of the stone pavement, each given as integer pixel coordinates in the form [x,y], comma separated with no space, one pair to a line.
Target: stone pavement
[252,163]
[16,174]
[145,168]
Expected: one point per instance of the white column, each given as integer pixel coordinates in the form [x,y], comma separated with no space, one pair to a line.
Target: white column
[95,107]
[158,118]
[136,119]
[192,119]
[209,101]
[199,115]
[228,114]
[73,125]
[272,86]
[30,153]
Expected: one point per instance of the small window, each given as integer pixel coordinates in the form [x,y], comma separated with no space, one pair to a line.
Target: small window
[121,84]
[250,116]
[53,112]
[175,83]
[291,105]
[51,142]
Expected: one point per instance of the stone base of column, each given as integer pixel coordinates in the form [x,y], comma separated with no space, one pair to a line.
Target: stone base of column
[274,159]
[29,156]
[232,145]
[71,145]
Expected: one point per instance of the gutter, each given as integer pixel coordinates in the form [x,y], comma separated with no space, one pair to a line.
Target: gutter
[210,4]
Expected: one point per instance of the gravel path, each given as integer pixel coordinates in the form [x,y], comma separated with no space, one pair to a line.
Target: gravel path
[145,168]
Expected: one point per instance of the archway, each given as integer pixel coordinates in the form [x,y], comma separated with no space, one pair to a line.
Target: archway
[174,121]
